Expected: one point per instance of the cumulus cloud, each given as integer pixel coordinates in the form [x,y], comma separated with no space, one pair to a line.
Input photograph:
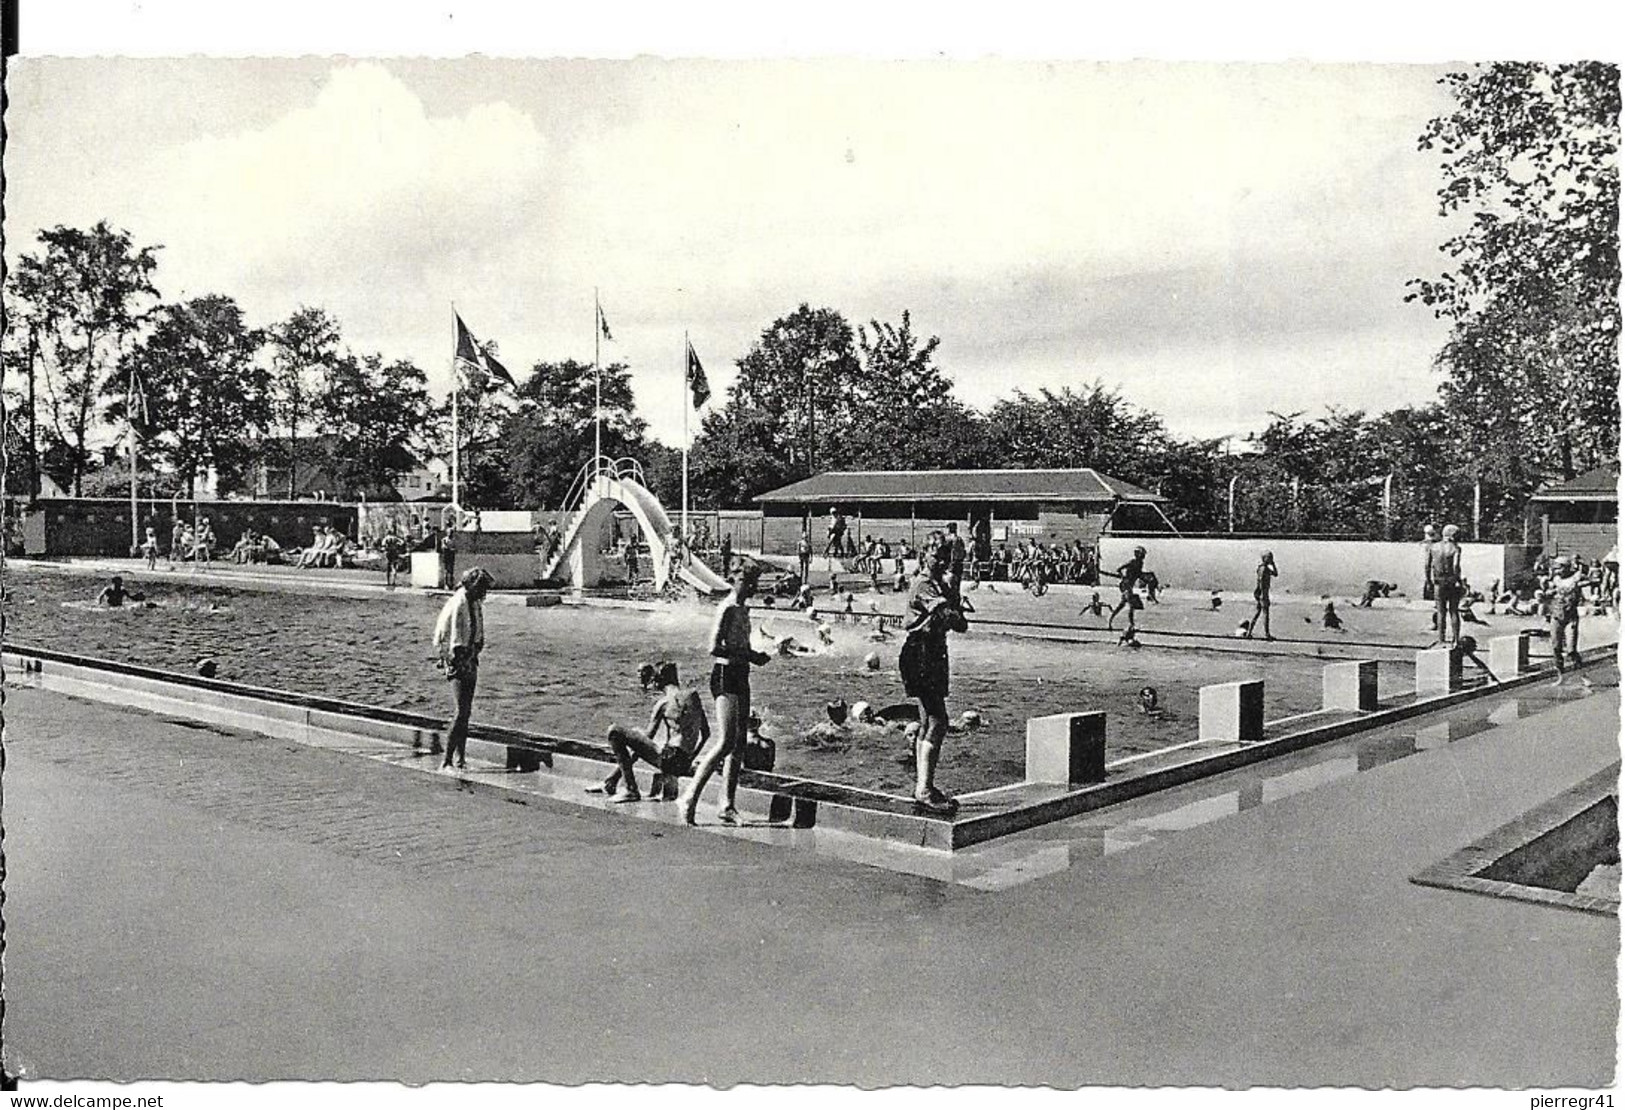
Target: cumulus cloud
[356,189]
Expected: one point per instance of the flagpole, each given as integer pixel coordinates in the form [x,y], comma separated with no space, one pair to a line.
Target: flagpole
[597,382]
[456,403]
[135,509]
[686,387]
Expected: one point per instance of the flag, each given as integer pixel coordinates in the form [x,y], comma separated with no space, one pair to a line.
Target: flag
[137,399]
[696,378]
[469,352]
[603,324]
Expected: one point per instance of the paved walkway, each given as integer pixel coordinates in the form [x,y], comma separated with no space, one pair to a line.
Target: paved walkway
[183,902]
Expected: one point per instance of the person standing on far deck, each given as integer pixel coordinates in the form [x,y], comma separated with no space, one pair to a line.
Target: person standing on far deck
[1444,572]
[1261,595]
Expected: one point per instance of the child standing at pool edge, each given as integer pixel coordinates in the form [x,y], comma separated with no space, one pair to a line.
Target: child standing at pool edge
[459,633]
[732,658]
[933,612]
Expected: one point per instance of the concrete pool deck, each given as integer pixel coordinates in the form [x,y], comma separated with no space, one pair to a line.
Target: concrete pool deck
[187,903]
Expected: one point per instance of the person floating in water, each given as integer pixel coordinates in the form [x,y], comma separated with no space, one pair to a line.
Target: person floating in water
[114,595]
[1095,606]
[1329,620]
[681,718]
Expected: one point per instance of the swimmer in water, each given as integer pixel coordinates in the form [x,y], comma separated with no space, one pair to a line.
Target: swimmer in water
[1095,606]
[114,595]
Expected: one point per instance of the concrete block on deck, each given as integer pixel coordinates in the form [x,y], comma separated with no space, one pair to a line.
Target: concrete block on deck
[1438,671]
[1232,711]
[1067,748]
[1509,655]
[1350,686]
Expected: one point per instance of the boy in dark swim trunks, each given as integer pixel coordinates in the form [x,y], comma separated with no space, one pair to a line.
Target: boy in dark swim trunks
[933,612]
[1128,575]
[1261,595]
[732,658]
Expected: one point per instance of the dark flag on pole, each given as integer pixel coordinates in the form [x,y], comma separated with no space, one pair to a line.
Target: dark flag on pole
[696,379]
[469,353]
[136,400]
[603,324]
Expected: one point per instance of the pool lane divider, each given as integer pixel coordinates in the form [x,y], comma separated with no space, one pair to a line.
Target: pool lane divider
[791,801]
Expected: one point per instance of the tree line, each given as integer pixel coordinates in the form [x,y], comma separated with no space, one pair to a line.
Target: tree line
[1528,392]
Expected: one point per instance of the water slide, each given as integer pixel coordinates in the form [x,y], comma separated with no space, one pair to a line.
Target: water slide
[662,536]
[701,577]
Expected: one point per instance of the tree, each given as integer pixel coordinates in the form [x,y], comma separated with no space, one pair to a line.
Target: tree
[801,373]
[812,396]
[1529,158]
[375,413]
[84,297]
[903,413]
[207,396]
[548,438]
[1093,427]
[305,350]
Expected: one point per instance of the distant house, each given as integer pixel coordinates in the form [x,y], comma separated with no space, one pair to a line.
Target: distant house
[415,479]
[1580,516]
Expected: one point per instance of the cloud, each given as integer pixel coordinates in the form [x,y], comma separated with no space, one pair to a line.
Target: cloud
[359,188]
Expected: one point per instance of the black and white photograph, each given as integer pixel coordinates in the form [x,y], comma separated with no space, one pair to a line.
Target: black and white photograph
[770,561]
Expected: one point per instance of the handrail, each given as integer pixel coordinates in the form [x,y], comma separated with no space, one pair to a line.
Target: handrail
[601,465]
[619,469]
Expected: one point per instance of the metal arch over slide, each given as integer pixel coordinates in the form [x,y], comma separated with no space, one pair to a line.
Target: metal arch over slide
[603,485]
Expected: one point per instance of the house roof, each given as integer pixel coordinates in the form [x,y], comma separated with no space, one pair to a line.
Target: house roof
[836,486]
[1601,484]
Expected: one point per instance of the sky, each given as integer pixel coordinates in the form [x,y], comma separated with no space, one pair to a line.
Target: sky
[1218,241]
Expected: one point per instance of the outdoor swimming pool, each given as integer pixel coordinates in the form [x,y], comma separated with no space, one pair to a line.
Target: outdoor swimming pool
[571,671]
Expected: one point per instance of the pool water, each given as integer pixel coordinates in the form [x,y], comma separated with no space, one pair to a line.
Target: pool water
[571,671]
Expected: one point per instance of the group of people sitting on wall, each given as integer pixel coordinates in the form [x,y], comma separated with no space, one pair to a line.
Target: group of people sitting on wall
[1077,563]
[255,547]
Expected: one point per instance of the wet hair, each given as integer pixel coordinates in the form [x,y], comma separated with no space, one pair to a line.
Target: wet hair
[667,675]
[1139,551]
[477,577]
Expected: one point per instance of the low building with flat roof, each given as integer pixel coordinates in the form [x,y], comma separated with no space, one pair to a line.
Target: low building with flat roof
[1580,516]
[1005,506]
